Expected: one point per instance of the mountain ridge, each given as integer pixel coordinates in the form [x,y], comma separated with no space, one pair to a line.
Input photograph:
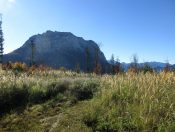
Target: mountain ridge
[64,49]
[158,66]
[58,49]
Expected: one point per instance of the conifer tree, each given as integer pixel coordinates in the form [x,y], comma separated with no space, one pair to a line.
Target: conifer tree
[96,56]
[147,68]
[134,67]
[32,52]
[1,41]
[112,62]
[167,67]
[77,68]
[98,67]
[87,59]
[118,67]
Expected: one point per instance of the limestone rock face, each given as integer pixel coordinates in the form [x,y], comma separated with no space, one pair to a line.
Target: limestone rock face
[58,49]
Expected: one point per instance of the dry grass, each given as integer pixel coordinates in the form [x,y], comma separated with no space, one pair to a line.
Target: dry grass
[126,102]
[134,102]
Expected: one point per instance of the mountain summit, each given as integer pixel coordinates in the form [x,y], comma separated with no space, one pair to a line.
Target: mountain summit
[58,49]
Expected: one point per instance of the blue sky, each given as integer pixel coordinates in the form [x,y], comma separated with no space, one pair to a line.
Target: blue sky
[122,27]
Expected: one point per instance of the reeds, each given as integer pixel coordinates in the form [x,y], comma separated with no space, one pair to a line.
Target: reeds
[134,102]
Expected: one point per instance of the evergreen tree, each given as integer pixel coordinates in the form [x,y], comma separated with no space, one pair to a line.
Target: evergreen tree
[87,59]
[32,53]
[134,67]
[118,67]
[1,41]
[98,68]
[77,68]
[96,56]
[112,62]
[147,68]
[167,67]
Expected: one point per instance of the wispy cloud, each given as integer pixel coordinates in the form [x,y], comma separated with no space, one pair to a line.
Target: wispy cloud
[6,5]
[12,1]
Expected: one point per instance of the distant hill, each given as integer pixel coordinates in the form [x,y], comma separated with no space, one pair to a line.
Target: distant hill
[158,66]
[58,49]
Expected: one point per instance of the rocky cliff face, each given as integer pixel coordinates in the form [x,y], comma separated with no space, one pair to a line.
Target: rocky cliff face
[58,49]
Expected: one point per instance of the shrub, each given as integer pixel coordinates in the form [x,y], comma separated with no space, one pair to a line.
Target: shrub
[98,69]
[19,67]
[77,68]
[83,90]
[167,68]
[7,66]
[56,87]
[36,95]
[12,97]
[63,69]
[16,67]
[146,68]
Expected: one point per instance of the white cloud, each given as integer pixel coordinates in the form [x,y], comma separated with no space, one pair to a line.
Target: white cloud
[6,5]
[11,1]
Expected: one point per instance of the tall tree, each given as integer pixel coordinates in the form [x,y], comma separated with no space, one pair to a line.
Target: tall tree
[134,67]
[87,59]
[1,41]
[77,68]
[167,67]
[96,56]
[32,52]
[112,62]
[98,68]
[147,68]
[118,67]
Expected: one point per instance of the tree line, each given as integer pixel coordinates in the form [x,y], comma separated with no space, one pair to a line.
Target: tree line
[135,67]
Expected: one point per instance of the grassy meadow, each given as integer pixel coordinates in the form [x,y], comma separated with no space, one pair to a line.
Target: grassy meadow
[53,100]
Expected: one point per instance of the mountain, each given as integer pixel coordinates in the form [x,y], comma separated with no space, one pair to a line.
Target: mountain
[58,49]
[158,66]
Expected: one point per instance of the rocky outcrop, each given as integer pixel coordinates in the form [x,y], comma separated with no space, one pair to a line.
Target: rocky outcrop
[58,49]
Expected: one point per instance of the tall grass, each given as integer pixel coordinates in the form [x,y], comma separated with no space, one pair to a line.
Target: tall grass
[126,102]
[134,102]
[22,89]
